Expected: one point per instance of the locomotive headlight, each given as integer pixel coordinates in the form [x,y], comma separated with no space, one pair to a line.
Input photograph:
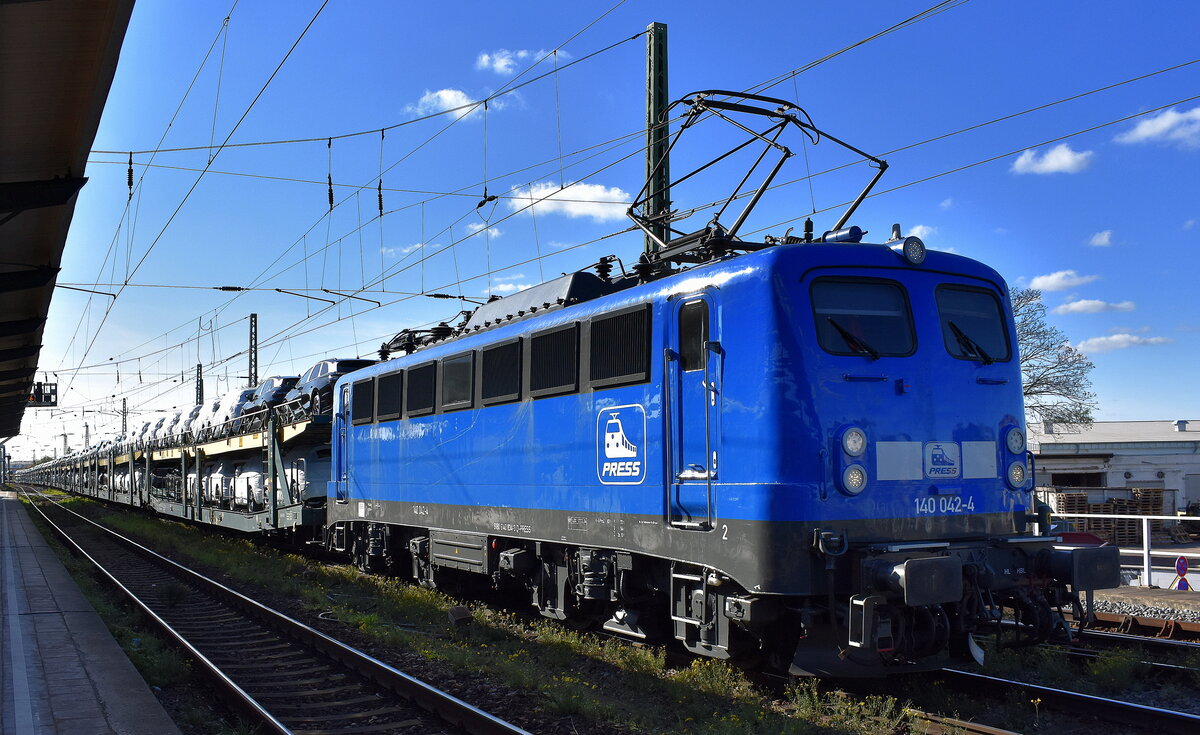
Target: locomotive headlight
[854,479]
[854,442]
[1015,440]
[1016,474]
[911,249]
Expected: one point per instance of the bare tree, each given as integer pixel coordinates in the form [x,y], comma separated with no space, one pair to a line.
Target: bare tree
[1054,374]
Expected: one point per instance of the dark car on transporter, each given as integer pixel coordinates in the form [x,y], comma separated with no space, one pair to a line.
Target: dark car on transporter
[269,393]
[316,385]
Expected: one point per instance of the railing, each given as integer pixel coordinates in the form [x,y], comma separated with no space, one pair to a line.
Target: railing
[1146,550]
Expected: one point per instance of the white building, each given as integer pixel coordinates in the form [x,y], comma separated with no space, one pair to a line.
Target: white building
[1121,454]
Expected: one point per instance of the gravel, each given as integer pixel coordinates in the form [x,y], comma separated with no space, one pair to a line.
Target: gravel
[1147,611]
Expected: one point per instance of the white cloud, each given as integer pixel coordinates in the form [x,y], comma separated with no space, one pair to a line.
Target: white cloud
[396,252]
[1167,126]
[478,227]
[1092,306]
[600,203]
[511,287]
[1101,239]
[509,277]
[947,203]
[922,231]
[1118,342]
[443,100]
[1060,281]
[1059,159]
[503,61]
[1189,224]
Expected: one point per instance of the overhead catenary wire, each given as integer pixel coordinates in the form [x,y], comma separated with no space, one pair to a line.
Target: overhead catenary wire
[931,140]
[403,158]
[188,194]
[382,134]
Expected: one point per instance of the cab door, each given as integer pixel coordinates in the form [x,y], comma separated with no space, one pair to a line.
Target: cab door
[693,386]
[341,459]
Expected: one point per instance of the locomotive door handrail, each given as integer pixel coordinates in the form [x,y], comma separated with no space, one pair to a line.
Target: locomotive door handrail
[681,398]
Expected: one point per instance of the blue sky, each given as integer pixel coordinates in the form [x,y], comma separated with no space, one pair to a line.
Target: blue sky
[1106,222]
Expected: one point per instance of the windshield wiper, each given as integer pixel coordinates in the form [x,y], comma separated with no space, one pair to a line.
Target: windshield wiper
[969,345]
[852,341]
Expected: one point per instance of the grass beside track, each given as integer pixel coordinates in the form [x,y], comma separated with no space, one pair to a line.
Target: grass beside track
[168,672]
[591,683]
[574,682]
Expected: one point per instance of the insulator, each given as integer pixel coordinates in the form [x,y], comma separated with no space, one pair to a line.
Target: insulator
[330,178]
[381,197]
[129,175]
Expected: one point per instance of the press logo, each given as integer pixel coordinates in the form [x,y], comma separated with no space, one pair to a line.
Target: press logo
[943,460]
[621,445]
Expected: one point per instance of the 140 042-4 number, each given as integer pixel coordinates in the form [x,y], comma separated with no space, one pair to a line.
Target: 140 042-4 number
[944,504]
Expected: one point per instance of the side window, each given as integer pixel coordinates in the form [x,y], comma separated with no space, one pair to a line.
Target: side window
[554,361]
[619,348]
[458,381]
[388,396]
[862,316]
[500,373]
[362,402]
[419,394]
[693,333]
[973,326]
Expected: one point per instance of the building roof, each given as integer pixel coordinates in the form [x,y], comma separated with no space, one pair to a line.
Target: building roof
[57,61]
[1113,432]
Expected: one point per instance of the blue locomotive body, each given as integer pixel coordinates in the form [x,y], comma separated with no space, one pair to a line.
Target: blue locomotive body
[822,431]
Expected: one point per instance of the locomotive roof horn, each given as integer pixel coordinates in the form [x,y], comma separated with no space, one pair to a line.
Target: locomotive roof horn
[695,246]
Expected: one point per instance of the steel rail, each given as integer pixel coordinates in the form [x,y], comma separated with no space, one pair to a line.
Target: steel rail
[1142,715]
[238,699]
[942,724]
[451,709]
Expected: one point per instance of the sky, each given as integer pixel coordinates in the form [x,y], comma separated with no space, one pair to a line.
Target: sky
[1095,200]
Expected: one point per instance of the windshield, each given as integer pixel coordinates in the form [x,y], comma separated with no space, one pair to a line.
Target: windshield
[972,324]
[868,317]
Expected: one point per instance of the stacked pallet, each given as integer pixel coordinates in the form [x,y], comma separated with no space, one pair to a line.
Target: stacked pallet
[1102,527]
[1149,503]
[1070,503]
[1126,531]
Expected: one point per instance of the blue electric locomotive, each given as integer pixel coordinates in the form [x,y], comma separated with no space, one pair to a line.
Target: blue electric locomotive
[812,452]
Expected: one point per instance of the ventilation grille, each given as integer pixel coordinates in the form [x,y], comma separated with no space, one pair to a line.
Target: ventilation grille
[500,370]
[362,401]
[419,395]
[458,381]
[620,348]
[387,403]
[554,361]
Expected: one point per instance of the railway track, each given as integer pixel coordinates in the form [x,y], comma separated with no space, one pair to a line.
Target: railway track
[1145,717]
[281,675]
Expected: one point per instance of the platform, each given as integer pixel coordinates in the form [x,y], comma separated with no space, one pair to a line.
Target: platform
[61,671]
[1152,597]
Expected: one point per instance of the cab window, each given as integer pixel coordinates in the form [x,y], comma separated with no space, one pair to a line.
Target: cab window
[973,326]
[861,316]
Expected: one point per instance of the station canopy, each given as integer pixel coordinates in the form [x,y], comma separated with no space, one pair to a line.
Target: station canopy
[57,60]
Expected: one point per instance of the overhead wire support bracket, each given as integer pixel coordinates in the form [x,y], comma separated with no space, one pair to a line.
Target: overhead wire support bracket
[691,246]
[305,296]
[351,296]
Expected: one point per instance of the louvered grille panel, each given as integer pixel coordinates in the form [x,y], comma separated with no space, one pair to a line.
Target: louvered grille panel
[554,361]
[419,393]
[620,348]
[501,373]
[362,401]
[387,403]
